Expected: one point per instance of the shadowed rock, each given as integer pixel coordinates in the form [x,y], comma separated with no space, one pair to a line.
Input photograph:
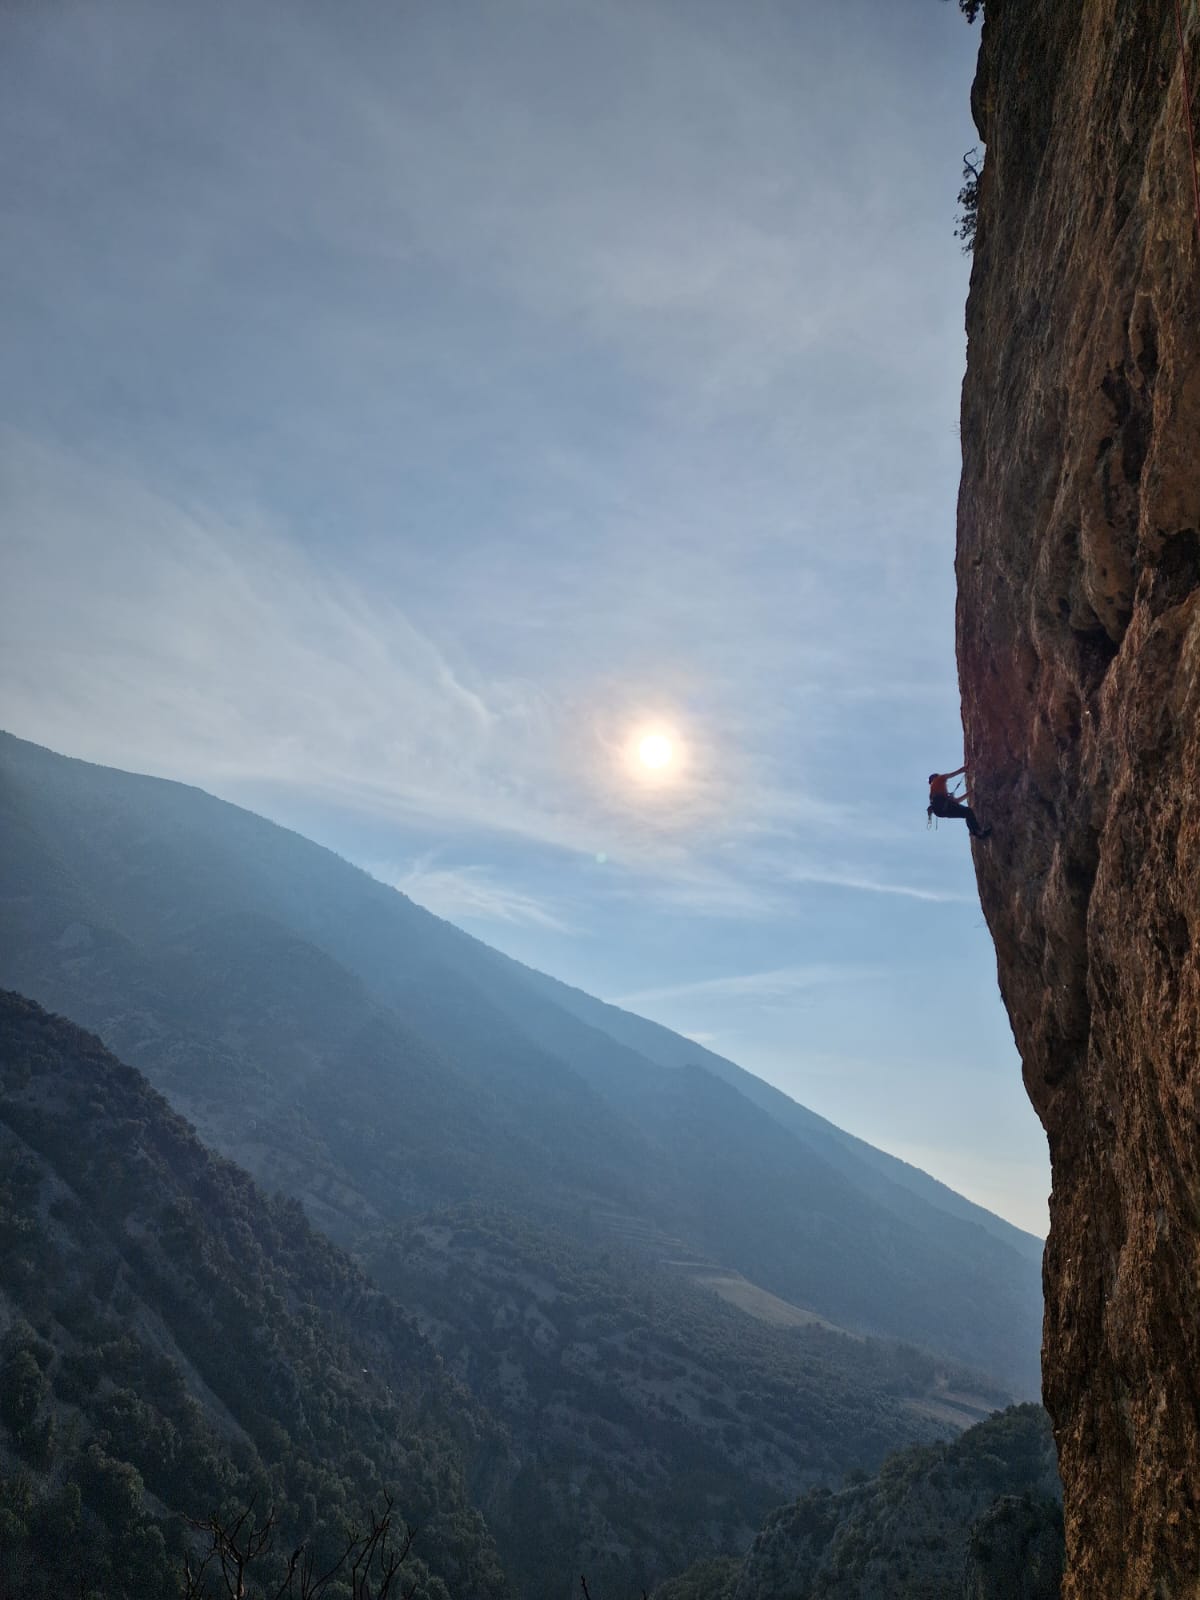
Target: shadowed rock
[1078,649]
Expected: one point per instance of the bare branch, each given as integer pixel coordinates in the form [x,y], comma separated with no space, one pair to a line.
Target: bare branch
[368,1557]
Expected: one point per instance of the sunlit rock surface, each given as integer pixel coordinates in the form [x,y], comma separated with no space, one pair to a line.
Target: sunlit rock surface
[1079,657]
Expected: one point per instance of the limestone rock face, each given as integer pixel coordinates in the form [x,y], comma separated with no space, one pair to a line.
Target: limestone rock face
[1079,659]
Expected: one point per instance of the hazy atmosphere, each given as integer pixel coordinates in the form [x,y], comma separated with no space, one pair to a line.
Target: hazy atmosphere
[516,446]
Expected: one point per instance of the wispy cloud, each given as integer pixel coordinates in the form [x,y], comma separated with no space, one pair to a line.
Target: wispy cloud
[473,893]
[176,638]
[495,541]
[141,628]
[844,880]
[760,988]
[182,640]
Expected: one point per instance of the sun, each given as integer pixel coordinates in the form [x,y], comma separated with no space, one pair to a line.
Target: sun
[656,751]
[654,755]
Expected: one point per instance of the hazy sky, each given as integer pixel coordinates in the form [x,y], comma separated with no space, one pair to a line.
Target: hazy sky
[408,405]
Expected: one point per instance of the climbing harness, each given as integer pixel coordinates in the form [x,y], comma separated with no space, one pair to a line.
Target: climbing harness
[1187,111]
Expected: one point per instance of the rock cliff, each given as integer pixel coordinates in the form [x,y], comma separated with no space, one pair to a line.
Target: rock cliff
[1079,659]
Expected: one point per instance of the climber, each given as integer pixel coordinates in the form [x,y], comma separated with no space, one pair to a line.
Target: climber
[944,804]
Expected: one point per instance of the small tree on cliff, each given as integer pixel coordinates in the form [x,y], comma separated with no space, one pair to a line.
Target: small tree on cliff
[970,8]
[968,199]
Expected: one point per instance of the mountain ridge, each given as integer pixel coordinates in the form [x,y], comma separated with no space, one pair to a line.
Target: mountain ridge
[678,1050]
[134,874]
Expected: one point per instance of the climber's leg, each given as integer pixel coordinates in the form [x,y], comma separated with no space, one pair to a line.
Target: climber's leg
[945,807]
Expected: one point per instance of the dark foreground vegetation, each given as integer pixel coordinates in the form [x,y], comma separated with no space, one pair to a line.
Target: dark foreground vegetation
[176,1344]
[193,1382]
[976,1519]
[650,1418]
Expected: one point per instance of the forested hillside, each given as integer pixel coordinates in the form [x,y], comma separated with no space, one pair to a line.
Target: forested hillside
[172,1343]
[166,1326]
[652,1420]
[978,1519]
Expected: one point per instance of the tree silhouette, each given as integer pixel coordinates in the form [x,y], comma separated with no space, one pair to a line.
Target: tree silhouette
[369,1558]
[968,199]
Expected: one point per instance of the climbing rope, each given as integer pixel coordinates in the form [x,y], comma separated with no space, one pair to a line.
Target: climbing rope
[1187,111]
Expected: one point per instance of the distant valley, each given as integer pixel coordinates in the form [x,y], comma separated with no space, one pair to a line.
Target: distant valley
[673,1297]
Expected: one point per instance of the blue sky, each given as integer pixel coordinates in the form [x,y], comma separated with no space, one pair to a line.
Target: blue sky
[409,405]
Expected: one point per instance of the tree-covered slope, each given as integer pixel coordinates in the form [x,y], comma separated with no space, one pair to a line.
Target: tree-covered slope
[345,1044]
[653,1421]
[977,1519]
[173,1343]
[159,1317]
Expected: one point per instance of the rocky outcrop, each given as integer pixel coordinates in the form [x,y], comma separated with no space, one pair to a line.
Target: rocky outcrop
[1079,658]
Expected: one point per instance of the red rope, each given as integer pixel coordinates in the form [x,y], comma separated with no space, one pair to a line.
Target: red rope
[1187,111]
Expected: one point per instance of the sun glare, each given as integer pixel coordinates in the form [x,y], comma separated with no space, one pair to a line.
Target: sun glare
[653,756]
[655,751]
